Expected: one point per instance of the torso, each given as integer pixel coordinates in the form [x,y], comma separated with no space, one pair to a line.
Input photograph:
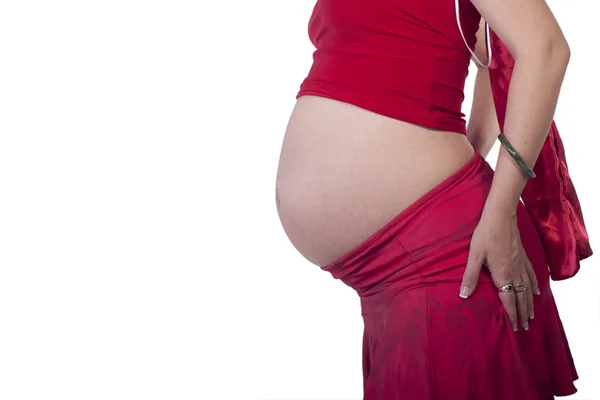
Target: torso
[378,122]
[344,172]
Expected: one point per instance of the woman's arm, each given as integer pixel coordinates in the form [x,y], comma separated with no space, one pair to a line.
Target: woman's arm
[482,127]
[541,53]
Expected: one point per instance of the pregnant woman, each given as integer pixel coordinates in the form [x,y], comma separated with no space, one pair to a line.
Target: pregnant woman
[383,184]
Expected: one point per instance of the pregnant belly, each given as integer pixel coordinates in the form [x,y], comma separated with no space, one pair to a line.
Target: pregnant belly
[344,172]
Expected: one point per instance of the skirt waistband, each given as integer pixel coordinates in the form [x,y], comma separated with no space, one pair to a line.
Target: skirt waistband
[428,240]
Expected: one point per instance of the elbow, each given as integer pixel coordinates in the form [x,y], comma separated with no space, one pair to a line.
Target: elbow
[551,51]
[567,53]
[560,51]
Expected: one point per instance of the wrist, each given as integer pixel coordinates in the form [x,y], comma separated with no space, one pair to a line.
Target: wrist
[500,207]
[507,186]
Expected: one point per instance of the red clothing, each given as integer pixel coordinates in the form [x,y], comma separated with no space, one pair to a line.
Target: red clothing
[421,340]
[405,60]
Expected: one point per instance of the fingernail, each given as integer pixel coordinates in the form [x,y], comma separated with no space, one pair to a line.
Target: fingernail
[531,315]
[515,327]
[526,325]
[537,291]
[464,292]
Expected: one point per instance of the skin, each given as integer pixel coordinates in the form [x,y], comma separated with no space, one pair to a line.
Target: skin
[344,172]
[535,40]
[482,127]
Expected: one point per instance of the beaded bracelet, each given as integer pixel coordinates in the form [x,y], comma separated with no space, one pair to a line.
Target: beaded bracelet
[515,155]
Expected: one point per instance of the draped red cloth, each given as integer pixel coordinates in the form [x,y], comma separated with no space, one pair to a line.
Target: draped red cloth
[550,198]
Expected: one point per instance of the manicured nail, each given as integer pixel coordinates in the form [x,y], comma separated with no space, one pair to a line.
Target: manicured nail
[464,292]
[531,315]
[526,325]
[515,327]
[537,291]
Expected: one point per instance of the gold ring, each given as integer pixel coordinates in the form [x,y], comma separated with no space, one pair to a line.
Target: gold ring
[506,288]
[520,288]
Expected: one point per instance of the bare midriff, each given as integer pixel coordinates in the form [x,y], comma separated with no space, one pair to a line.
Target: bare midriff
[344,172]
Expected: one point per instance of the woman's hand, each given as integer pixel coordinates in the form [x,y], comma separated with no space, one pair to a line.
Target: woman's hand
[496,242]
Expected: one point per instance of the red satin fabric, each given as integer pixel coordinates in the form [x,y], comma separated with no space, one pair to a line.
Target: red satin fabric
[550,198]
[421,340]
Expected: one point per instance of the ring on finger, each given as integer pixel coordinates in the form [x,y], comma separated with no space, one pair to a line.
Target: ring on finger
[520,288]
[509,287]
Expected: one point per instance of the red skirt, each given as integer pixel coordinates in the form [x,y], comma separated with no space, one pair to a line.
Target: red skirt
[421,340]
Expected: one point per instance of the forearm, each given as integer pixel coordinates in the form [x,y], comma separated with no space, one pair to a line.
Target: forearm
[532,98]
[482,128]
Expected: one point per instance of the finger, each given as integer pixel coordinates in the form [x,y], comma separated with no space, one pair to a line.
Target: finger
[521,299]
[529,294]
[509,304]
[533,278]
[471,275]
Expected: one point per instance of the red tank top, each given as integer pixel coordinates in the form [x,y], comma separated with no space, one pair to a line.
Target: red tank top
[403,59]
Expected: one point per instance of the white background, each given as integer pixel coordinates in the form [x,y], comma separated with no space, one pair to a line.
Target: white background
[141,255]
